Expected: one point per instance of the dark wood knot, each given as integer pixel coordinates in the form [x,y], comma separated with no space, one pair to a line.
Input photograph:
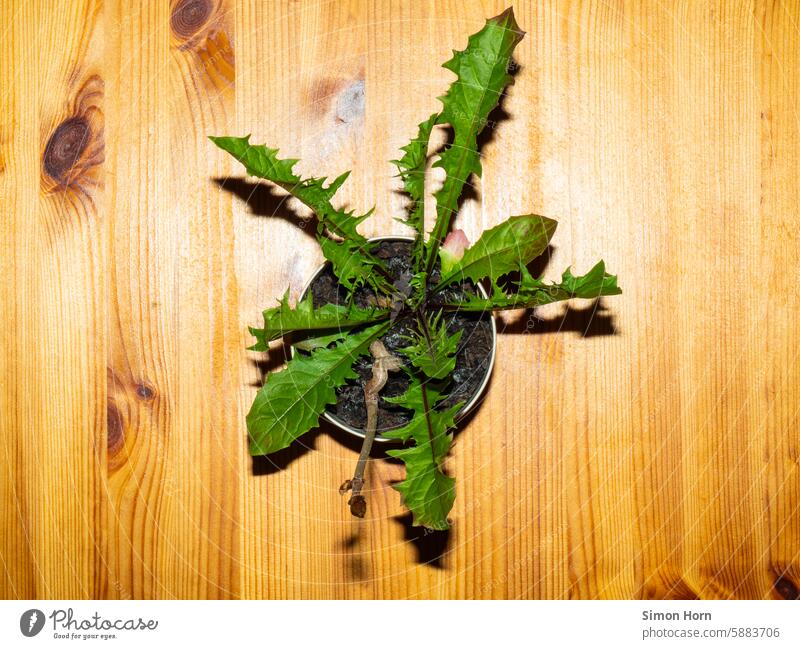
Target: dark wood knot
[786,588]
[189,17]
[73,154]
[115,428]
[145,391]
[65,147]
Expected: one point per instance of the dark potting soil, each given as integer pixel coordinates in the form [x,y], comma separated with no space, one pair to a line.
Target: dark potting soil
[472,356]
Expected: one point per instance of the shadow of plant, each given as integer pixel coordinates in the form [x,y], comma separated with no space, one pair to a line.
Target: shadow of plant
[262,200]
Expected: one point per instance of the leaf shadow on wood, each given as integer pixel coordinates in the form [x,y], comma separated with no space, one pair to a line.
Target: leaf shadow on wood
[430,545]
[264,201]
[590,321]
[593,319]
[280,460]
[357,568]
[275,358]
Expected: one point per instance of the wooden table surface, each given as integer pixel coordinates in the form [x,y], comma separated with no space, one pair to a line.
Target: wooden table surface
[651,450]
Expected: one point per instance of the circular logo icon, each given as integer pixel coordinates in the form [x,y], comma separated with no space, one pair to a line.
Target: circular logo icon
[31,622]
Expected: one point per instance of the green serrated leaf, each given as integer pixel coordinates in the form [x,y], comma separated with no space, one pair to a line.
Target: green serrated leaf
[412,171]
[292,400]
[434,351]
[531,292]
[310,344]
[352,266]
[482,75]
[505,248]
[263,162]
[427,491]
[596,283]
[591,285]
[303,317]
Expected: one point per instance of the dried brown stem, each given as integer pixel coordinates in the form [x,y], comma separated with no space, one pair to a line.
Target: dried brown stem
[383,362]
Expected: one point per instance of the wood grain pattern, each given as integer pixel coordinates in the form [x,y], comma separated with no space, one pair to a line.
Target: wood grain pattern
[645,448]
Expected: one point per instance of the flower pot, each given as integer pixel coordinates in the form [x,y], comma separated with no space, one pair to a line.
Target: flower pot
[479,331]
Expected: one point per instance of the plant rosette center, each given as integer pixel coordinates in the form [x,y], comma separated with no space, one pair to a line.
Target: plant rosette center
[474,357]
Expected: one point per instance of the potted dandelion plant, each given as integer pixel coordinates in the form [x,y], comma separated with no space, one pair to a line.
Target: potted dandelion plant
[393,339]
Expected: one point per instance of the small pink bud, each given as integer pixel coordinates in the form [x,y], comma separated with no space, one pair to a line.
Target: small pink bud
[452,250]
[456,243]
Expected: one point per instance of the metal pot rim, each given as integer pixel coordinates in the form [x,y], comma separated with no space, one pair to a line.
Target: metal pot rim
[468,407]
